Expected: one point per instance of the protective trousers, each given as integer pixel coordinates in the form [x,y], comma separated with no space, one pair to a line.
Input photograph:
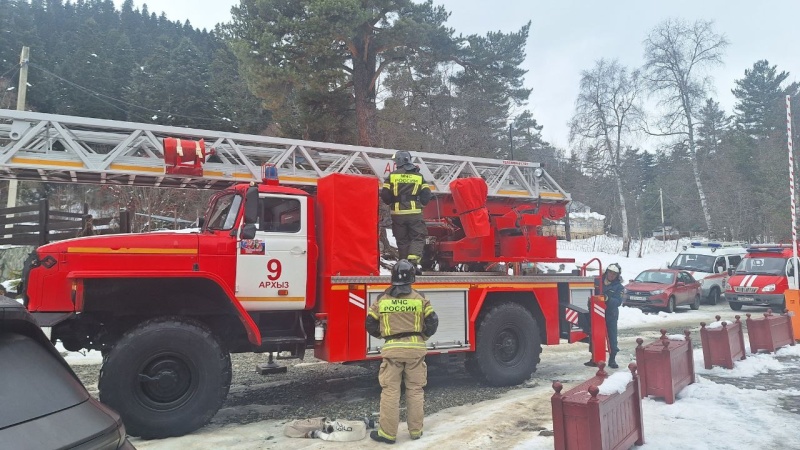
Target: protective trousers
[392,372]
[612,317]
[409,231]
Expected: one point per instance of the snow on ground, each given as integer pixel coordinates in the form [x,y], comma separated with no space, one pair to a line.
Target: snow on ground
[79,358]
[707,415]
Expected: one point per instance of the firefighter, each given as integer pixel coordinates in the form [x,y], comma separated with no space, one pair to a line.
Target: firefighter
[612,289]
[406,193]
[405,319]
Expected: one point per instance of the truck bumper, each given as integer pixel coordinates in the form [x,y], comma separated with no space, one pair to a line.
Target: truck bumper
[755,299]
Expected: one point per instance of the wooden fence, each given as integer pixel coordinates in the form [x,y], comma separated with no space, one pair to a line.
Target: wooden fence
[38,224]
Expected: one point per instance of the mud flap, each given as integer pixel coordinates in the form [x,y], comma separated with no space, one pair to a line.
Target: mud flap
[575,316]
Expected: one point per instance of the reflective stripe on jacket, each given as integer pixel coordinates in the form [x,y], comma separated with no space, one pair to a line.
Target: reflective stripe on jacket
[405,191]
[401,320]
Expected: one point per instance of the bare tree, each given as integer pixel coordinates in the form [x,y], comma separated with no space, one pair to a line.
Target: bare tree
[677,53]
[607,112]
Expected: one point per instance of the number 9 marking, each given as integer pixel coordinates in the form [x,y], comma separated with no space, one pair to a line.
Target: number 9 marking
[274,269]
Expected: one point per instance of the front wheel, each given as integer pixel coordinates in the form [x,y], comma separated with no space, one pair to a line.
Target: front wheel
[508,346]
[671,305]
[696,304]
[714,296]
[166,377]
[735,306]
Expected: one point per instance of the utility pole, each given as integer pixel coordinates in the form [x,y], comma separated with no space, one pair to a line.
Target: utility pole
[21,97]
[663,228]
[511,138]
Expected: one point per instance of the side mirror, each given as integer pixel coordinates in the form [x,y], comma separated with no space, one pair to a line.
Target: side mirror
[251,206]
[248,231]
[731,271]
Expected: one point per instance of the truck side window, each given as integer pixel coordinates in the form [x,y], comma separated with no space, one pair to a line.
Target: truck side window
[226,209]
[280,215]
[734,260]
[719,265]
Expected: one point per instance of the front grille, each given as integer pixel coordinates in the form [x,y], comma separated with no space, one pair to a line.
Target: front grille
[639,293]
[745,289]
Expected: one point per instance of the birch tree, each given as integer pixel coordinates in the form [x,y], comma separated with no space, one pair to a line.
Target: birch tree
[607,113]
[677,56]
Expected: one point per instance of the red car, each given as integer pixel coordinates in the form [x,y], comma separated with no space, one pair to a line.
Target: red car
[663,289]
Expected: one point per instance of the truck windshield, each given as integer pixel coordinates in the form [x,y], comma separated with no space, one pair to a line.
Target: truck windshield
[694,262]
[223,212]
[762,266]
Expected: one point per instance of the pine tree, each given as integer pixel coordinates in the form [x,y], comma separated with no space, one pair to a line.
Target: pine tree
[760,99]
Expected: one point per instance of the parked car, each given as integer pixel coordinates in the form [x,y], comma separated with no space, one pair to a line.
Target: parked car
[708,263]
[663,289]
[44,405]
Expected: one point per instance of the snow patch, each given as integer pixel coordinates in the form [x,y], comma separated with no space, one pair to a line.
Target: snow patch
[718,324]
[747,368]
[676,337]
[81,358]
[616,383]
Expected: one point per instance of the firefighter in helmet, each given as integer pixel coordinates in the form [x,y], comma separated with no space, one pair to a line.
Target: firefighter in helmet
[405,319]
[406,193]
[612,289]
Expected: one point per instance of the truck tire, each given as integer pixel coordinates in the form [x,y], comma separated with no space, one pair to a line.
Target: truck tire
[166,377]
[714,296]
[471,364]
[508,345]
[735,306]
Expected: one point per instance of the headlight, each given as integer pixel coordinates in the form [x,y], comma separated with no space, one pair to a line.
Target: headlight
[768,288]
[660,291]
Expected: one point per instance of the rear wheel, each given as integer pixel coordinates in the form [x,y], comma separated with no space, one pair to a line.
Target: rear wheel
[166,377]
[671,305]
[714,296]
[508,346]
[696,304]
[735,306]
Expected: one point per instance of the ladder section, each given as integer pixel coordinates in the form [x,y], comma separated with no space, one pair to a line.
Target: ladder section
[57,148]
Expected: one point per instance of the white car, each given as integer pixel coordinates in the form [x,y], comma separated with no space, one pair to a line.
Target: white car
[708,262]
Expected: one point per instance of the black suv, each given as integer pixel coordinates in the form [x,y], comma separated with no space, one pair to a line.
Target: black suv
[43,404]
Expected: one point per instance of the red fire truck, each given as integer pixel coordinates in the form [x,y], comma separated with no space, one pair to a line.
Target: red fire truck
[290,266]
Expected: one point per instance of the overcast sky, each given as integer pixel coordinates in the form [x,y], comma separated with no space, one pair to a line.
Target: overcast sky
[568,36]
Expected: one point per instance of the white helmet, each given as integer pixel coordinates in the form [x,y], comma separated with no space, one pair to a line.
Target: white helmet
[614,268]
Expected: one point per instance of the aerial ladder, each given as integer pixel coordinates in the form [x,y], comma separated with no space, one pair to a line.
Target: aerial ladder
[64,149]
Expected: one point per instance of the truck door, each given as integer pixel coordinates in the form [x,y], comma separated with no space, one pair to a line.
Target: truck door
[791,269]
[271,269]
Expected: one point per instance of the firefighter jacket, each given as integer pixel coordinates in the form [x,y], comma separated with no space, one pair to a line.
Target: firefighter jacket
[405,191]
[613,292]
[405,322]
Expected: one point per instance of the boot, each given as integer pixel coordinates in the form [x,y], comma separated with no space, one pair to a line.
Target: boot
[375,436]
[612,362]
[590,363]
